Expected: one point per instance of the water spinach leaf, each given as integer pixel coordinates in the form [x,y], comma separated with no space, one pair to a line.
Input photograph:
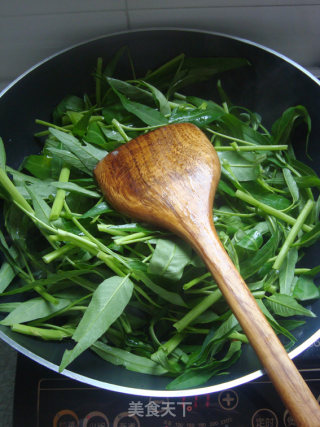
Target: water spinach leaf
[285,306]
[70,102]
[194,377]
[108,302]
[172,297]
[7,274]
[241,166]
[305,289]
[148,115]
[130,361]
[170,258]
[86,153]
[282,128]
[33,309]
[286,273]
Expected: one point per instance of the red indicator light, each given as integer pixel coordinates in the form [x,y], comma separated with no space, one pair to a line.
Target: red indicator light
[196,401]
[208,401]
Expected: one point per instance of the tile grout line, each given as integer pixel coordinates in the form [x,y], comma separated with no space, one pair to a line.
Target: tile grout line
[235,6]
[73,12]
[127,12]
[127,9]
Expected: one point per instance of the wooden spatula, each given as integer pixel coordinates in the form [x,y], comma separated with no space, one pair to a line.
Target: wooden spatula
[168,177]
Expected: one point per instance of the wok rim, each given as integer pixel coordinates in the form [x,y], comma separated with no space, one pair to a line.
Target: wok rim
[155,29]
[151,392]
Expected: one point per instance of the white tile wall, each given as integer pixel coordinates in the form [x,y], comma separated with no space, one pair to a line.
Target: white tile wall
[36,7]
[166,4]
[30,38]
[293,31]
[33,29]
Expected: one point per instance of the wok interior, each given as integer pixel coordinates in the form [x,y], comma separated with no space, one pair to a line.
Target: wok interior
[268,86]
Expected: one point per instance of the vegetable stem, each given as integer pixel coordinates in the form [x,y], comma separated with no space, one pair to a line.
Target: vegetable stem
[80,241]
[119,128]
[298,271]
[45,334]
[98,81]
[172,343]
[253,148]
[51,125]
[200,308]
[57,253]
[238,336]
[269,210]
[47,132]
[195,281]
[45,295]
[12,190]
[100,246]
[107,228]
[292,234]
[133,238]
[107,259]
[60,195]
[222,135]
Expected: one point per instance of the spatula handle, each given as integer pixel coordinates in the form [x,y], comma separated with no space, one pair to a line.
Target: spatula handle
[287,380]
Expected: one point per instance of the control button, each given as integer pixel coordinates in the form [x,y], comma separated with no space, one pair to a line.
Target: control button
[228,399]
[124,418]
[66,418]
[96,418]
[288,420]
[264,417]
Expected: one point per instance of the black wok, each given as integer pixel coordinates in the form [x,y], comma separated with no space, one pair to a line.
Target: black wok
[269,86]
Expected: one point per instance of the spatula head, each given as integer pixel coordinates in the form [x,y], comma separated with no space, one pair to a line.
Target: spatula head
[166,177]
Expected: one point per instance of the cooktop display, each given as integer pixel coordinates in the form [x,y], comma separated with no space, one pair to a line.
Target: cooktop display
[44,398]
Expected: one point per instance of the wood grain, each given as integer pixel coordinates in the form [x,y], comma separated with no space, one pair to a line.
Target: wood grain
[168,177]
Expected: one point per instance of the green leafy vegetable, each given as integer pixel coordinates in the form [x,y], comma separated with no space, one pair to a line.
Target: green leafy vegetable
[169,258]
[285,306]
[137,296]
[108,302]
[33,309]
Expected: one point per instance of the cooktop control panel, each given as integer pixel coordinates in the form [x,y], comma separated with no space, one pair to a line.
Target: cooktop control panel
[56,401]
[64,403]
